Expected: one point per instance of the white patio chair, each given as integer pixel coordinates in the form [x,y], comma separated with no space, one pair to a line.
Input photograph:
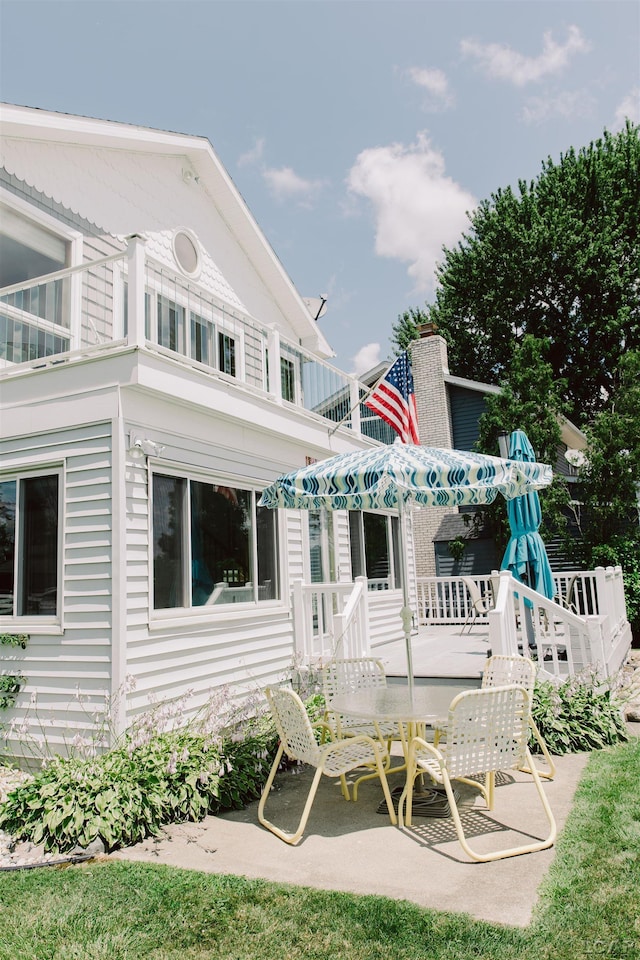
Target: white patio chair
[346,676]
[480,604]
[499,670]
[487,731]
[334,759]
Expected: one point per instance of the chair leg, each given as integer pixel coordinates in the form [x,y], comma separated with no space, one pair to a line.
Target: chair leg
[291,838]
[512,851]
[551,772]
[385,787]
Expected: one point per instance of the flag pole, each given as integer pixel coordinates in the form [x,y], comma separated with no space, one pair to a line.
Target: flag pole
[362,399]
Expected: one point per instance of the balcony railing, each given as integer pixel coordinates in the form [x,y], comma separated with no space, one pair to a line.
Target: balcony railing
[128,297]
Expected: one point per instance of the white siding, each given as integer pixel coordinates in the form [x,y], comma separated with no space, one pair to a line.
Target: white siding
[57,666]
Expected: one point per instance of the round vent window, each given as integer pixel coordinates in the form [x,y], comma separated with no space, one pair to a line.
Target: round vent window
[186,253]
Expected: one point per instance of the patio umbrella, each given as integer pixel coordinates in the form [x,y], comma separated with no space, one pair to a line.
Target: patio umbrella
[525,555]
[390,477]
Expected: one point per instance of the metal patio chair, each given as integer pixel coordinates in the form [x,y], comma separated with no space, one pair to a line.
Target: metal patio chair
[499,670]
[480,603]
[334,759]
[487,731]
[346,676]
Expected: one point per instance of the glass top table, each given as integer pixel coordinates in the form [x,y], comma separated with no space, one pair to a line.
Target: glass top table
[417,704]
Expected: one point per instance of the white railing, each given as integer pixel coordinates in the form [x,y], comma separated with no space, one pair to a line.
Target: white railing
[564,642]
[330,619]
[444,600]
[130,298]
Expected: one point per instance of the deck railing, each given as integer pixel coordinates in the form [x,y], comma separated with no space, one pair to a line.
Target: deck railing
[130,298]
[587,629]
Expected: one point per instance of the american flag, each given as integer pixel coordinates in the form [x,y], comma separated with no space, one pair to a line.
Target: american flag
[394,400]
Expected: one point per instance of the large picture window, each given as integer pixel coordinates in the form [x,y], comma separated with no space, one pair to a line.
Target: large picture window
[212,544]
[29,546]
[374,549]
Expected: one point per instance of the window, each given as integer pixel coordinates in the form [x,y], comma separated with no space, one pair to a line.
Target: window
[201,340]
[227,354]
[34,322]
[287,378]
[29,546]
[170,325]
[212,544]
[374,549]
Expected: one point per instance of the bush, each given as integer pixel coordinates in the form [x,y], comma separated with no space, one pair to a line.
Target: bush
[128,793]
[217,761]
[577,714]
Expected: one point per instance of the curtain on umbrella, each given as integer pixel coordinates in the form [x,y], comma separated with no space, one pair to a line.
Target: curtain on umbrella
[526,555]
[389,477]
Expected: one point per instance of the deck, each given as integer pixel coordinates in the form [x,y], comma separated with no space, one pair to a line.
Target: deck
[440,653]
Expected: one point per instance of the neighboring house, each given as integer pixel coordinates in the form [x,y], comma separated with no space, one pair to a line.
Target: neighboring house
[449,410]
[157,369]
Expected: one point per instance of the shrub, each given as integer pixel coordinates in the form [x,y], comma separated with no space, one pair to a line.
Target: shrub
[152,777]
[578,714]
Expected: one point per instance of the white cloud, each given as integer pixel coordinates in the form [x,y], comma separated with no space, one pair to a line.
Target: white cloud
[285,184]
[366,358]
[502,62]
[436,85]
[564,105]
[254,155]
[417,207]
[629,109]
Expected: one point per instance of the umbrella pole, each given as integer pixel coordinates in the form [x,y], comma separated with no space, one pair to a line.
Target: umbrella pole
[406,613]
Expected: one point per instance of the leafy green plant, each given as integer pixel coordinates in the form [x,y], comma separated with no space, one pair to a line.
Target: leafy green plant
[153,776]
[579,714]
[14,639]
[456,548]
[10,686]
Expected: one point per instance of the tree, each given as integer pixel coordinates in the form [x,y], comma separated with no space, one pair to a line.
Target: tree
[530,400]
[407,328]
[608,491]
[558,259]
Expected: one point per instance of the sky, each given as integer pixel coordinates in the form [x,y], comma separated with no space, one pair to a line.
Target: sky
[361,133]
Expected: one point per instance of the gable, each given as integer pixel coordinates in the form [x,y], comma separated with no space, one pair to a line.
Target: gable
[129,179]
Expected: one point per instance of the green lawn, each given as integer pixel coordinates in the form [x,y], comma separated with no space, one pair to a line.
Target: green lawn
[589,903]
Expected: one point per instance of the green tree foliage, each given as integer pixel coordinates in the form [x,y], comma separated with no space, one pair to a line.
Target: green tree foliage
[407,327]
[557,258]
[530,400]
[607,505]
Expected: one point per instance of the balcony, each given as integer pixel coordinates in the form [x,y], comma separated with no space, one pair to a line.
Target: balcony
[130,299]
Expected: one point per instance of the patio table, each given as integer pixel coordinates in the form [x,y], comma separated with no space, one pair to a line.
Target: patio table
[411,707]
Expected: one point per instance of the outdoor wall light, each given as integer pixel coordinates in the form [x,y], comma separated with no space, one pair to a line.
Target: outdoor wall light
[140,447]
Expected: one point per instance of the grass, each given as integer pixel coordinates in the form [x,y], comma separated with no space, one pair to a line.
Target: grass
[126,911]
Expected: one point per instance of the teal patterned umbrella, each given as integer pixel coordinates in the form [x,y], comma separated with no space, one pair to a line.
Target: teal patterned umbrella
[389,477]
[526,555]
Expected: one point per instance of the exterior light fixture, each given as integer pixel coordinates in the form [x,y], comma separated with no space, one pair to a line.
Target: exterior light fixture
[140,447]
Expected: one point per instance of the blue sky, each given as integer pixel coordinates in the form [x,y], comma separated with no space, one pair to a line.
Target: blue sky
[359,132]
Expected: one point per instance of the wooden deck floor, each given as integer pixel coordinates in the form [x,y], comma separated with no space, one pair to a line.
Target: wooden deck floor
[440,653]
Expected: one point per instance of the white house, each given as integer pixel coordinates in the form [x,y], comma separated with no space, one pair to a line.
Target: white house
[157,369]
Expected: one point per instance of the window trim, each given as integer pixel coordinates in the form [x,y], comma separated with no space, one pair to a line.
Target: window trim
[393,546]
[174,616]
[30,623]
[74,239]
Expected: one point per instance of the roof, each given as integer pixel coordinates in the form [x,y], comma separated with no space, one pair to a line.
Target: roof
[89,152]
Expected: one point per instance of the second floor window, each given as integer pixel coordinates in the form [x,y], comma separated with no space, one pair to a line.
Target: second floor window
[287,378]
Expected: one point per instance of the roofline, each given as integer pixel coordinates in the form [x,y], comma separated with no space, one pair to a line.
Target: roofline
[24,122]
